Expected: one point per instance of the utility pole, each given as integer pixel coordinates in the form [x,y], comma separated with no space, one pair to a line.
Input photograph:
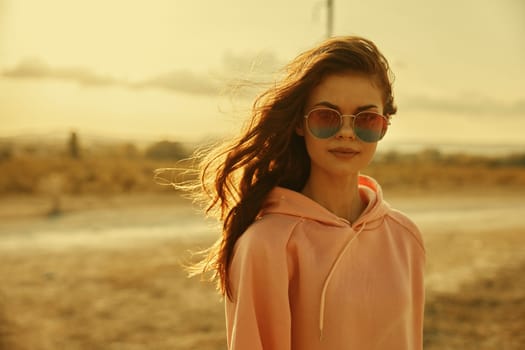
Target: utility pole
[329,18]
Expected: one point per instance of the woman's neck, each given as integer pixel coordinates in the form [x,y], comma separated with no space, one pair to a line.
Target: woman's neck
[339,196]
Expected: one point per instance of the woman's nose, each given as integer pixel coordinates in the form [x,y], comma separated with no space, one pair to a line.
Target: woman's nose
[347,129]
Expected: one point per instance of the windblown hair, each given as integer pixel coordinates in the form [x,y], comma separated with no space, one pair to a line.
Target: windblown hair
[237,177]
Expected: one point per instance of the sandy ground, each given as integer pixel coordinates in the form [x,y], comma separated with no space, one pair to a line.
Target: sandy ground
[106,274]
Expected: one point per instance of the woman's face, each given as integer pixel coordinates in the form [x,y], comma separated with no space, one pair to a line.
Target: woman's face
[342,154]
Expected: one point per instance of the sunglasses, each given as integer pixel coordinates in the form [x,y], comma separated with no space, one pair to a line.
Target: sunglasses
[326,122]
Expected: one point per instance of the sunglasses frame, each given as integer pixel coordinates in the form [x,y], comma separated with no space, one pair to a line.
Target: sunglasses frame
[341,120]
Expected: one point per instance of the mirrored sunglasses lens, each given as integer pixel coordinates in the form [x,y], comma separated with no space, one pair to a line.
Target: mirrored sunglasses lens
[323,123]
[370,127]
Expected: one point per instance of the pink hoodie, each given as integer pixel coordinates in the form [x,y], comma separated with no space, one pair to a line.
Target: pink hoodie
[304,279]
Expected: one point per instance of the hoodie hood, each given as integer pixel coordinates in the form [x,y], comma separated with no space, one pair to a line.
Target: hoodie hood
[288,202]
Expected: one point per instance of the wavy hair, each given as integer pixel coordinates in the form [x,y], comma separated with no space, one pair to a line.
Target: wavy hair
[236,177]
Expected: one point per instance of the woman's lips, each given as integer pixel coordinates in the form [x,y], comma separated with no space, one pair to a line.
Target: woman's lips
[344,152]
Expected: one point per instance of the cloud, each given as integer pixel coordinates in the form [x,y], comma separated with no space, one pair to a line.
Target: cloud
[465,104]
[36,69]
[177,81]
[241,67]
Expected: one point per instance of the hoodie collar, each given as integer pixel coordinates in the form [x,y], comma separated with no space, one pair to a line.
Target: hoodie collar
[284,201]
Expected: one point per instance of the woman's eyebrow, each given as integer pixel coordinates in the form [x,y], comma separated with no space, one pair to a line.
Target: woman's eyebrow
[326,104]
[364,108]
[331,105]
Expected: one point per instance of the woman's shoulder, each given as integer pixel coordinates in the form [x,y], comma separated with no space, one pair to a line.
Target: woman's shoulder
[271,233]
[407,225]
[271,229]
[266,240]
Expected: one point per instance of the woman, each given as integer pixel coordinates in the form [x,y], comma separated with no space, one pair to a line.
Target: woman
[311,256]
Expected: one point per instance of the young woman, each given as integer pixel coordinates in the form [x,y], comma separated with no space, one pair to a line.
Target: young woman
[311,256]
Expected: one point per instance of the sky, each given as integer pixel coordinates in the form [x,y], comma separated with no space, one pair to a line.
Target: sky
[168,68]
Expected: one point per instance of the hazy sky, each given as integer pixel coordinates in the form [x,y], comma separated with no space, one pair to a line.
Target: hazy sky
[162,68]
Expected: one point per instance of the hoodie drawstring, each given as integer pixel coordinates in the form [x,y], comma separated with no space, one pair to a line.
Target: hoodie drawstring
[329,277]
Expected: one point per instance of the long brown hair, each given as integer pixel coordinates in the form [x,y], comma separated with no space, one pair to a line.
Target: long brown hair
[236,177]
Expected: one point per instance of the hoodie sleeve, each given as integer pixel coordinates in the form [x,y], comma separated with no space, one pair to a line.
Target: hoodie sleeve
[418,289]
[418,305]
[258,315]
[416,264]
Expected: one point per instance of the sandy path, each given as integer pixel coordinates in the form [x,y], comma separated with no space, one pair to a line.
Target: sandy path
[466,235]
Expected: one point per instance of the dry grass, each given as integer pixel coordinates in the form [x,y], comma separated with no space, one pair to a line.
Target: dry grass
[438,172]
[89,175]
[97,174]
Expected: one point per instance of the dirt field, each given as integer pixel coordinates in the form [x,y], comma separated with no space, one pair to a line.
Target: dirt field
[116,292]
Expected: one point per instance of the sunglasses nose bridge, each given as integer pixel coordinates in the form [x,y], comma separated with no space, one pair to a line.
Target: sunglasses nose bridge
[350,123]
[346,128]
